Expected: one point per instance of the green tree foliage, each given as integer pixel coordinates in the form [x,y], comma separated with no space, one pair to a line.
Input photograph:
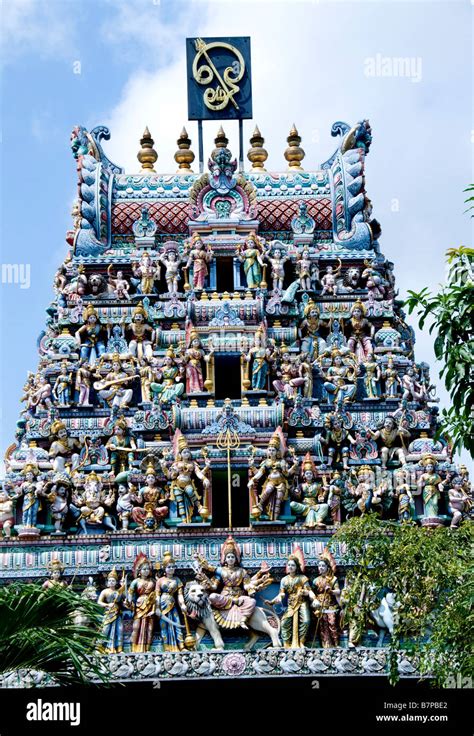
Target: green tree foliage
[53,631]
[430,573]
[451,315]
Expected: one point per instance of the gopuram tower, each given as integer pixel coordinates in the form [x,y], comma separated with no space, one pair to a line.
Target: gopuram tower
[225,376]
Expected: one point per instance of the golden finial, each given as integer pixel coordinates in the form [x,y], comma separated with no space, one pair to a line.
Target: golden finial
[184,156]
[257,155]
[221,140]
[147,154]
[294,154]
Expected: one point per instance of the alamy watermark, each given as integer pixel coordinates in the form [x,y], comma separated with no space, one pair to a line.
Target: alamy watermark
[407,67]
[16,273]
[41,710]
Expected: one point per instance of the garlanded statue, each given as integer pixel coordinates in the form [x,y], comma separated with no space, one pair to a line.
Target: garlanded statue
[140,346]
[235,605]
[7,511]
[289,379]
[31,489]
[392,438]
[112,389]
[311,341]
[329,280]
[364,495]
[430,487]
[83,383]
[112,599]
[89,505]
[167,389]
[337,439]
[145,273]
[328,599]
[62,386]
[413,389]
[277,259]
[152,500]
[118,285]
[251,255]
[56,569]
[122,446]
[459,502]
[56,493]
[141,599]
[169,600]
[89,337]
[295,589]
[261,356]
[276,474]
[404,496]
[181,472]
[340,377]
[361,332]
[193,358]
[392,380]
[61,450]
[312,497]
[199,257]
[171,260]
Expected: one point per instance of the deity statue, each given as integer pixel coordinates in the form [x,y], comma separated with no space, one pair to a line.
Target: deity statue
[392,439]
[303,269]
[152,500]
[295,589]
[375,283]
[277,260]
[261,356]
[340,377]
[328,598]
[305,371]
[7,511]
[234,605]
[31,489]
[430,487]
[141,599]
[118,285]
[112,599]
[460,502]
[61,450]
[311,343]
[251,255]
[276,474]
[126,495]
[147,377]
[56,569]
[192,359]
[139,346]
[171,260]
[337,439]
[111,389]
[367,497]
[38,392]
[361,332]
[392,381]
[404,496]
[83,383]
[122,446]
[372,379]
[413,389]
[89,337]
[169,598]
[336,488]
[329,280]
[199,256]
[167,389]
[88,506]
[62,386]
[180,472]
[56,493]
[146,272]
[312,497]
[288,379]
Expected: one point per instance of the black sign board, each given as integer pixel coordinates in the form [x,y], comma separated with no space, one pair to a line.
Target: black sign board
[219,79]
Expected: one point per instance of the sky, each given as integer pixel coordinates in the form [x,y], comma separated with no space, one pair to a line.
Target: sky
[121,63]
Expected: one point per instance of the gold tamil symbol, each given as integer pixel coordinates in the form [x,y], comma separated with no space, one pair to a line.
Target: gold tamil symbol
[217,98]
[228,440]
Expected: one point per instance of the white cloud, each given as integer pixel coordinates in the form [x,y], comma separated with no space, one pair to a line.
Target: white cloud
[46,28]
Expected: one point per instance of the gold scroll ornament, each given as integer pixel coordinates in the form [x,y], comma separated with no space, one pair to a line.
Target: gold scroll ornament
[205,71]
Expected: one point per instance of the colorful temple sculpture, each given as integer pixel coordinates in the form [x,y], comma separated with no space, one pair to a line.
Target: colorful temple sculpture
[225,377]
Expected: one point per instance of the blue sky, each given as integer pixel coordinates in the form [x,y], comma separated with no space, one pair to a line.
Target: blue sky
[311,65]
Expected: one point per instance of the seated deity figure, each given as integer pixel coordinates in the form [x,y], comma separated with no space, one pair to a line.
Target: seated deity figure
[392,438]
[38,393]
[340,377]
[167,389]
[361,332]
[251,255]
[112,389]
[261,357]
[367,497]
[289,379]
[199,258]
[61,449]
[89,505]
[145,273]
[171,260]
[142,334]
[459,502]
[89,337]
[152,506]
[181,472]
[328,600]
[311,341]
[312,497]
[295,589]
[233,590]
[275,474]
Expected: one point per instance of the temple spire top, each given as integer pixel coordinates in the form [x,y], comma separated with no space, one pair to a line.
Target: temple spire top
[147,154]
[257,154]
[294,154]
[184,156]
